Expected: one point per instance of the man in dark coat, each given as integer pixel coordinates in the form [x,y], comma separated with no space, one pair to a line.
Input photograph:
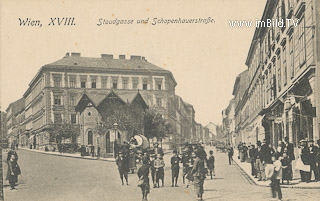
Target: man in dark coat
[305,157]
[123,167]
[290,152]
[313,160]
[230,154]
[253,156]
[265,156]
[175,159]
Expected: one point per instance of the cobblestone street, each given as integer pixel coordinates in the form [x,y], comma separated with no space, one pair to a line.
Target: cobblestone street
[79,179]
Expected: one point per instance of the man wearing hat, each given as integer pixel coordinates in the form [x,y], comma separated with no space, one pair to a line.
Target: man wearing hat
[313,160]
[288,147]
[175,159]
[305,152]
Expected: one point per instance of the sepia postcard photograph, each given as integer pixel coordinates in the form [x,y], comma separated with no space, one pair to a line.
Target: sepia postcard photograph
[159,100]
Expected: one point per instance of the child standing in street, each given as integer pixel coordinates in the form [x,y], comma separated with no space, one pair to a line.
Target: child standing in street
[210,163]
[159,165]
[275,179]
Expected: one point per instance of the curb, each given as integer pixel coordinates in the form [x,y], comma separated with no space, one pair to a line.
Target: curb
[47,153]
[282,186]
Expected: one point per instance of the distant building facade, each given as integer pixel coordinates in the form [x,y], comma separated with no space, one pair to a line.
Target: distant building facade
[12,122]
[281,96]
[57,89]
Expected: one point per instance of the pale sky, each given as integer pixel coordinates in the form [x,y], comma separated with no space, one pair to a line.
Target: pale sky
[204,59]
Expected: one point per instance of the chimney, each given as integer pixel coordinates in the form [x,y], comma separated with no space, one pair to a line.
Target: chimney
[67,54]
[143,58]
[107,56]
[122,56]
[133,57]
[75,54]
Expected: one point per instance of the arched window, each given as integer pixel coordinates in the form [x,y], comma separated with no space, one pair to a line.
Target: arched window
[90,137]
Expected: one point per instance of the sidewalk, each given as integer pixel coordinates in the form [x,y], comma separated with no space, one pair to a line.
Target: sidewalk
[295,183]
[72,155]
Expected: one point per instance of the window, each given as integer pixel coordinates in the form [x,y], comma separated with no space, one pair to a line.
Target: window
[90,137]
[72,82]
[279,72]
[93,84]
[145,86]
[83,84]
[57,81]
[124,83]
[301,43]
[283,15]
[159,102]
[159,85]
[285,71]
[104,82]
[73,119]
[267,88]
[135,83]
[271,85]
[291,57]
[72,100]
[57,119]
[57,100]
[115,83]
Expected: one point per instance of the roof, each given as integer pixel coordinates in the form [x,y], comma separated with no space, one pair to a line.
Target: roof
[110,63]
[96,99]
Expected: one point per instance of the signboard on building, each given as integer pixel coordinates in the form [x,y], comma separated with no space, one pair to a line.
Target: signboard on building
[278,120]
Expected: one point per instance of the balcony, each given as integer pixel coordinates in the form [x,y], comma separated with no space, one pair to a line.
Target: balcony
[300,8]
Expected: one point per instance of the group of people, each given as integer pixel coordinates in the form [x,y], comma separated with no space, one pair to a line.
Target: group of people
[126,162]
[13,168]
[275,162]
[195,163]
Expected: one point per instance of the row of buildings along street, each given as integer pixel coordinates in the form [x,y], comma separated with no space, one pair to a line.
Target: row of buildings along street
[278,94]
[104,99]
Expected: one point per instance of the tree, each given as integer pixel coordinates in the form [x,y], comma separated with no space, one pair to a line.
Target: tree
[58,132]
[155,125]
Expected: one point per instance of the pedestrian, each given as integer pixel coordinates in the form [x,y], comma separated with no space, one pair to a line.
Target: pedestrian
[13,171]
[286,168]
[199,174]
[275,179]
[253,157]
[184,160]
[98,151]
[17,146]
[175,160]
[132,161]
[245,152]
[230,154]
[159,165]
[123,168]
[313,152]
[210,163]
[265,157]
[11,153]
[304,156]
[259,166]
[92,151]
[239,151]
[143,175]
[290,152]
[153,169]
